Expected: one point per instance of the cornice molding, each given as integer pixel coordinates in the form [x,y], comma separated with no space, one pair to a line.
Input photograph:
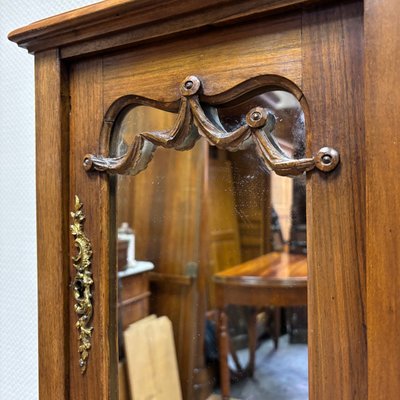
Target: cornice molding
[116,23]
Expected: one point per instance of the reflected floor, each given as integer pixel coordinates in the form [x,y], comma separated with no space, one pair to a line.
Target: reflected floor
[279,375]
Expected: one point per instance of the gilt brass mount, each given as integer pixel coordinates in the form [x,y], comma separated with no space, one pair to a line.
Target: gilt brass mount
[258,128]
[82,284]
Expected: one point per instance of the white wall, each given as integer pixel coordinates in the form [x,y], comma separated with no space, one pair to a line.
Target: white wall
[18,285]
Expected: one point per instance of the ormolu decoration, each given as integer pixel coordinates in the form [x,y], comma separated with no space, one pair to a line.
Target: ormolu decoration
[258,128]
[82,283]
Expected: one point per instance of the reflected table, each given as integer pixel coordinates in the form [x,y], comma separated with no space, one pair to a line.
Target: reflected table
[274,279]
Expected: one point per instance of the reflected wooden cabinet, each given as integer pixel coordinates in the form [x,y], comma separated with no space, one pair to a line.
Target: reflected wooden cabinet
[338,61]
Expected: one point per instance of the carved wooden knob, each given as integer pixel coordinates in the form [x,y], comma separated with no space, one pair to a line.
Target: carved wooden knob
[190,85]
[327,159]
[258,117]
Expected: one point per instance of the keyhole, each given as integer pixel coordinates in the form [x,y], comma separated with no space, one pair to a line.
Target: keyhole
[79,287]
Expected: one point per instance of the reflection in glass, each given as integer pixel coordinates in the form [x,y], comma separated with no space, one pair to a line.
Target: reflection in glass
[196,218]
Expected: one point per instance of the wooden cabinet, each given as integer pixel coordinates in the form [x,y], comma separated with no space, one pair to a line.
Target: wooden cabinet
[134,294]
[338,58]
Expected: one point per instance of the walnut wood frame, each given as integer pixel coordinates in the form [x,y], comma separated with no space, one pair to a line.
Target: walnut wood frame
[352,283]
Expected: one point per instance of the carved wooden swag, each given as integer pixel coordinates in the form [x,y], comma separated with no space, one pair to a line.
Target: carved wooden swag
[193,122]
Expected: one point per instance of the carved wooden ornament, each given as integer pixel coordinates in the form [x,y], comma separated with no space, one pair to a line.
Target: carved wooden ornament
[193,122]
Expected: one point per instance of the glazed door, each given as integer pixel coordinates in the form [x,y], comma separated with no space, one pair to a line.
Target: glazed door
[316,55]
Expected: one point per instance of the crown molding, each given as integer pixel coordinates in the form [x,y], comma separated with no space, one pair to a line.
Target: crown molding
[117,23]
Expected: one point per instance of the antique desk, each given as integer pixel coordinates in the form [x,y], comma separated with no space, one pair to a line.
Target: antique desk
[275,279]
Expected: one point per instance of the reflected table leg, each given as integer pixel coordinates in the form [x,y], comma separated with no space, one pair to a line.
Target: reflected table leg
[223,343]
[252,332]
[277,326]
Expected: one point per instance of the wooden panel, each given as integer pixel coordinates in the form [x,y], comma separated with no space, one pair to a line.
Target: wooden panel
[261,297]
[269,46]
[253,207]
[123,382]
[223,231]
[133,312]
[128,126]
[167,210]
[151,360]
[333,88]
[162,204]
[382,100]
[133,298]
[124,198]
[52,223]
[134,285]
[100,379]
[171,279]
[180,304]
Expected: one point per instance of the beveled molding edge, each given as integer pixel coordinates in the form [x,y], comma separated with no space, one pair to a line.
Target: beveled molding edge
[183,136]
[114,23]
[82,284]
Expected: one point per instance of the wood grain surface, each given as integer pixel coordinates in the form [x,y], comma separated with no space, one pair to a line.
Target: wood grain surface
[272,269]
[382,99]
[100,379]
[270,46]
[52,102]
[278,279]
[333,87]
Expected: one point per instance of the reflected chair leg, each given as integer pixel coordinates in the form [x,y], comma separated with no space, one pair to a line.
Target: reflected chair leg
[223,342]
[277,326]
[252,332]
[239,368]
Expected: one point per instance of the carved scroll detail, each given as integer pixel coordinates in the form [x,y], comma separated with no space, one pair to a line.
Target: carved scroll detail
[82,284]
[183,136]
